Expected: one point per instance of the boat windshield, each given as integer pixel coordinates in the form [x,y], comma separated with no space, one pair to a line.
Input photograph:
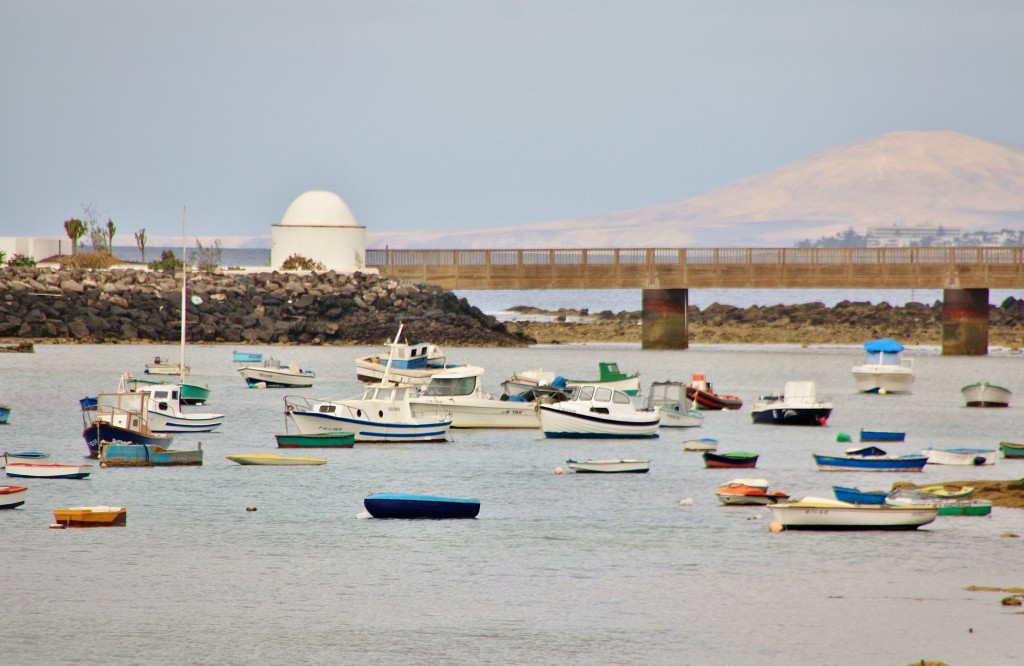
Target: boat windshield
[451,386]
[621,398]
[584,393]
[603,395]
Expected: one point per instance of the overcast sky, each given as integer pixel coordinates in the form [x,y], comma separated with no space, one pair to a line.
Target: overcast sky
[459,114]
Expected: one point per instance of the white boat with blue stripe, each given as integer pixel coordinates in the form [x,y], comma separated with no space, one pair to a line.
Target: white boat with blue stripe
[382,414]
[598,412]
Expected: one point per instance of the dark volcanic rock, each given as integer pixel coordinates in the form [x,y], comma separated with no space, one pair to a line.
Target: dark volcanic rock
[139,305]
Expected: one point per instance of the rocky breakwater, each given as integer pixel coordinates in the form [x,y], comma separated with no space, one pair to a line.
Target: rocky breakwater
[137,305]
[810,323]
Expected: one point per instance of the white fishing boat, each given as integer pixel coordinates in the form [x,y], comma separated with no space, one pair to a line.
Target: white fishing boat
[382,414]
[799,404]
[164,413]
[458,394]
[884,370]
[271,373]
[674,408]
[597,411]
[624,466]
[159,366]
[403,363]
[816,513]
[960,456]
[609,376]
[983,394]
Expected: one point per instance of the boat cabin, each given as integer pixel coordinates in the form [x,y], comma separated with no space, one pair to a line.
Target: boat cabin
[417,356]
[600,398]
[455,383]
[123,410]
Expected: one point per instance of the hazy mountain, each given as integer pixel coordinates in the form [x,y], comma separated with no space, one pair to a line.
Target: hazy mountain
[903,178]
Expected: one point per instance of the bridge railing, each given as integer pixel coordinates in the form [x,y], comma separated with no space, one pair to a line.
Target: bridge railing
[921,267]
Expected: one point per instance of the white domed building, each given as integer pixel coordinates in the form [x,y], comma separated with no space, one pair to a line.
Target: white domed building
[319,226]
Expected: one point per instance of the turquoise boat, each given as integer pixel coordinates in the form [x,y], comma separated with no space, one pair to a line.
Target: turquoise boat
[1011,450]
[322,440]
[122,454]
[246,357]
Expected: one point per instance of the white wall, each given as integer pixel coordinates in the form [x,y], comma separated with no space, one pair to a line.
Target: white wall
[342,249]
[35,247]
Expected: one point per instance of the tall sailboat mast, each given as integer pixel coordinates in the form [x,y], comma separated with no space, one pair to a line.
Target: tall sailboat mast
[184,311]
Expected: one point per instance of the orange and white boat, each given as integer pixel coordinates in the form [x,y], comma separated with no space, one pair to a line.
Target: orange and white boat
[749,492]
[91,516]
[699,392]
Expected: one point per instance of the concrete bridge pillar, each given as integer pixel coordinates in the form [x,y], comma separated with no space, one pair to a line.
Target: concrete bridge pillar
[663,323]
[964,322]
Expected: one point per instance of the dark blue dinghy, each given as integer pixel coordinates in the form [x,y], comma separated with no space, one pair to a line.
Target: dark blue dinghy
[398,505]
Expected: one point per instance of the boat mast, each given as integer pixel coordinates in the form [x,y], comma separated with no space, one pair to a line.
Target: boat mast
[184,274]
[391,355]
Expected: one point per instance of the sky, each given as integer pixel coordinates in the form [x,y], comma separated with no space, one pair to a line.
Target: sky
[453,114]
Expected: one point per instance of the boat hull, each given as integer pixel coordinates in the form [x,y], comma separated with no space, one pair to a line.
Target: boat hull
[825,516]
[12,497]
[712,401]
[369,431]
[183,423]
[92,516]
[559,423]
[912,463]
[609,466]
[1011,449]
[858,496]
[477,412]
[191,394]
[737,460]
[796,416]
[983,394]
[99,432]
[671,417]
[392,505]
[39,471]
[960,456]
[321,440]
[881,436]
[263,377]
[871,378]
[5,414]
[146,455]
[273,460]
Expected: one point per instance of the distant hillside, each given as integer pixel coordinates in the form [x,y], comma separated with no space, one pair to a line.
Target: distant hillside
[902,178]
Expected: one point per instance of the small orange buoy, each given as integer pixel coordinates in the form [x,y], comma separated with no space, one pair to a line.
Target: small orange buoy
[559,470]
[775,526]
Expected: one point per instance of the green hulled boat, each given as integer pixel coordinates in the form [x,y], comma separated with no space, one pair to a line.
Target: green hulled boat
[191,394]
[965,508]
[321,440]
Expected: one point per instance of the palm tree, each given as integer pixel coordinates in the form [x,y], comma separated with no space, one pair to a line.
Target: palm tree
[111,230]
[75,229]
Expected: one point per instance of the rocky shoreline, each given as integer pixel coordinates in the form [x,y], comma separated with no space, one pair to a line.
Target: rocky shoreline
[810,323]
[137,305]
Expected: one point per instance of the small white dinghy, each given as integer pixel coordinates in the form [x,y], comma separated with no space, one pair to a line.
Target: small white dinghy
[637,466]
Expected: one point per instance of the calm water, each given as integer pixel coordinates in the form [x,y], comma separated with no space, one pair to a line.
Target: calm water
[571,569]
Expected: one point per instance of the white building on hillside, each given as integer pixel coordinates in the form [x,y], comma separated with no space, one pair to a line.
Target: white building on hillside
[319,226]
[912,236]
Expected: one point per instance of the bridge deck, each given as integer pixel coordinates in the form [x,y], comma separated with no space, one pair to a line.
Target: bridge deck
[721,268]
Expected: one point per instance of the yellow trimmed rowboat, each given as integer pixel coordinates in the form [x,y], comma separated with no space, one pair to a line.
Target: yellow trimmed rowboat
[273,459]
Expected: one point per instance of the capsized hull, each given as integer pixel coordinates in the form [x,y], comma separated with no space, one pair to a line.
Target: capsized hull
[393,505]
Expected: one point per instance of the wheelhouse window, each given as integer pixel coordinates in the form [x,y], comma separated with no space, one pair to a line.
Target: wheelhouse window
[603,395]
[586,393]
[451,387]
[621,398]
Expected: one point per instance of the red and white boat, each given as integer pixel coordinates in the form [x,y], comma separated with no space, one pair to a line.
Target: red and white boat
[699,391]
[12,496]
[749,492]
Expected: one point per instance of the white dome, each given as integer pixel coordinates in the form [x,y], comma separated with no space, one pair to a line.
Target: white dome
[318,209]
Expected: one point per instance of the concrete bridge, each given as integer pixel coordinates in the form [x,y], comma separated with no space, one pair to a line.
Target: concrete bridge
[965,274]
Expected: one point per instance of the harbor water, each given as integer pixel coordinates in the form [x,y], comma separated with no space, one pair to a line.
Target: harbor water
[557,569]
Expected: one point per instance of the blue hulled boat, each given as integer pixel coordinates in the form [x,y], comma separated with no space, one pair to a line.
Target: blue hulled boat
[881,436]
[870,459]
[397,505]
[858,496]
